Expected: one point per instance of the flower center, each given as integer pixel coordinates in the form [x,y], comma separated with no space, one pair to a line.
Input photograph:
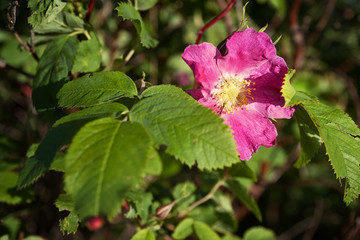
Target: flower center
[231,93]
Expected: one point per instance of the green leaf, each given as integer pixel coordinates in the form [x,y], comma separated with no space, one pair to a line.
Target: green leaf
[184,229]
[242,194]
[38,9]
[88,56]
[105,159]
[144,234]
[5,237]
[33,238]
[309,137]
[52,71]
[143,5]
[64,23]
[280,6]
[62,132]
[69,224]
[341,137]
[259,233]
[12,225]
[204,232]
[96,88]
[190,131]
[241,169]
[287,90]
[154,164]
[8,179]
[127,11]
[64,202]
[143,203]
[228,237]
[183,194]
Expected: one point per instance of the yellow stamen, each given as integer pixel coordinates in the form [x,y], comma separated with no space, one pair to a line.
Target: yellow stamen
[232,92]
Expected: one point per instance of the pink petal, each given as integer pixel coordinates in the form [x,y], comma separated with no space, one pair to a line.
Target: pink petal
[246,50]
[271,111]
[195,93]
[268,80]
[250,130]
[202,60]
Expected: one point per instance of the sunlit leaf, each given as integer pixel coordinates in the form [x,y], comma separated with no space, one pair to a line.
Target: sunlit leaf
[184,229]
[204,232]
[341,137]
[96,88]
[105,159]
[190,131]
[259,233]
[62,132]
[129,12]
[144,234]
[88,56]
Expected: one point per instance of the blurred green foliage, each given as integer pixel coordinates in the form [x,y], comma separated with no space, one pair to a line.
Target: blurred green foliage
[297,203]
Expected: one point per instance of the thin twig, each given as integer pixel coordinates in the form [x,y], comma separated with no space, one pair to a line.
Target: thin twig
[4,65]
[227,18]
[297,35]
[204,199]
[11,16]
[329,8]
[90,9]
[217,18]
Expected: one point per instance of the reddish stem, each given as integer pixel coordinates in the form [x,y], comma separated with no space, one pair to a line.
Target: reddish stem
[90,9]
[217,18]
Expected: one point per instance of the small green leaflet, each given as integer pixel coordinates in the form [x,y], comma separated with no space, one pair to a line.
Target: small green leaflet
[105,159]
[127,11]
[62,132]
[259,233]
[143,5]
[96,88]
[8,179]
[204,232]
[52,71]
[144,234]
[184,229]
[190,131]
[309,137]
[44,10]
[88,56]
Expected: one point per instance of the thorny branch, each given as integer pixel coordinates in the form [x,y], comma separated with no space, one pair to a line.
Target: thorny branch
[11,17]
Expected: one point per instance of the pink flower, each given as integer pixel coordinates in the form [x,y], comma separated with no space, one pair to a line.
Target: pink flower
[243,86]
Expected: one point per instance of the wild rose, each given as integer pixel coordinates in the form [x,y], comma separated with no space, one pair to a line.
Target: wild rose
[243,86]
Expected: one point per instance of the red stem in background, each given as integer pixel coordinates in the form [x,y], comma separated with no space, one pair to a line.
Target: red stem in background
[90,9]
[217,18]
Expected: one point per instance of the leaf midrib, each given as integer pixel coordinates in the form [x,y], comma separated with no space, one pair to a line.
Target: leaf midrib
[102,170]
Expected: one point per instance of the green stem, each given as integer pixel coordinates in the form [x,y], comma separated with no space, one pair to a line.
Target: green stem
[204,199]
